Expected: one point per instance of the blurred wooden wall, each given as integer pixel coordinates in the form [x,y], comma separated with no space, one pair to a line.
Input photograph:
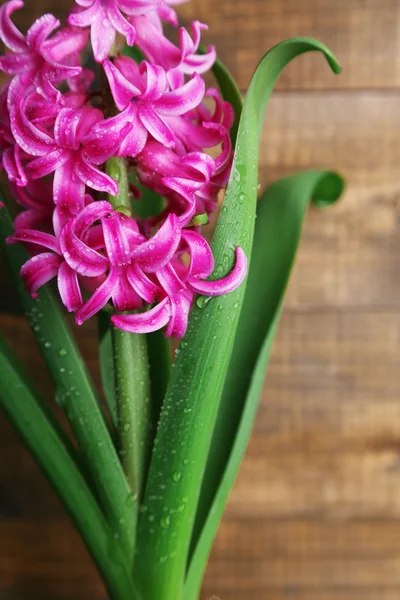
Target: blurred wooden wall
[315,513]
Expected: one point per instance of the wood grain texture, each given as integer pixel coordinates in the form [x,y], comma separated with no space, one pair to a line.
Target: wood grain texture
[315,513]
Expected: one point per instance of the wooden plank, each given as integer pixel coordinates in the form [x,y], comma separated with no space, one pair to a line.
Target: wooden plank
[363,33]
[333,383]
[315,513]
[214,591]
[350,253]
[46,561]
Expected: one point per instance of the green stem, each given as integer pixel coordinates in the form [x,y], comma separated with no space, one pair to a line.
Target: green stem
[24,410]
[116,168]
[133,405]
[131,371]
[75,393]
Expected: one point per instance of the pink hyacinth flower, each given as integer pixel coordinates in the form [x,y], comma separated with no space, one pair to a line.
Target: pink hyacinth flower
[36,61]
[191,183]
[104,252]
[173,310]
[154,103]
[105,18]
[70,151]
[159,50]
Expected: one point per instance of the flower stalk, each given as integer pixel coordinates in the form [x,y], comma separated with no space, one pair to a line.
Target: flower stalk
[132,386]
[131,372]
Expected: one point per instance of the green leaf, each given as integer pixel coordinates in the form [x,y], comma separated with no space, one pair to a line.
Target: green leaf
[193,395]
[160,371]
[133,406]
[280,215]
[107,371]
[75,393]
[23,408]
[150,204]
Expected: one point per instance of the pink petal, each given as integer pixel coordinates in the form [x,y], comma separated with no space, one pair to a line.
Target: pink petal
[99,299]
[31,139]
[158,251]
[135,140]
[156,81]
[9,34]
[120,23]
[68,287]
[102,35]
[106,136]
[66,43]
[225,285]
[145,288]
[122,90]
[38,270]
[169,281]
[194,136]
[90,118]
[69,190]
[86,17]
[155,125]
[182,100]
[201,256]
[13,64]
[94,211]
[94,178]
[40,167]
[40,30]
[184,188]
[146,322]
[199,63]
[180,308]
[124,297]
[65,128]
[226,155]
[12,164]
[115,240]
[35,237]
[80,257]
[168,15]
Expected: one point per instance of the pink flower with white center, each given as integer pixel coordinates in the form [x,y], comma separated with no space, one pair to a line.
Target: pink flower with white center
[69,150]
[36,61]
[107,17]
[159,50]
[147,87]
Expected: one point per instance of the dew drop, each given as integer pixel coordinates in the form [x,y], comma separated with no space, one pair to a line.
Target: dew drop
[165,522]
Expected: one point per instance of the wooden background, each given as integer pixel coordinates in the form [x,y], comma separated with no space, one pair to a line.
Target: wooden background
[315,513]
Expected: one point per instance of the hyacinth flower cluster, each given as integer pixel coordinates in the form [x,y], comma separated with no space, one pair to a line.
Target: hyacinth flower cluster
[63,125]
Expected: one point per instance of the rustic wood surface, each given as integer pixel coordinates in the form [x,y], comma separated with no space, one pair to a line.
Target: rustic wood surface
[315,513]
